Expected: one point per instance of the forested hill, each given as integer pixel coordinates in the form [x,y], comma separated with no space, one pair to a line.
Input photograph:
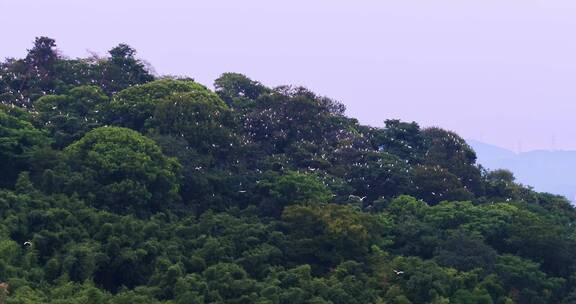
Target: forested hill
[118,186]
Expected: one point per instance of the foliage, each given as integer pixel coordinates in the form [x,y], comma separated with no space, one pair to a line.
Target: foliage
[68,117]
[18,140]
[117,187]
[121,170]
[237,89]
[132,107]
[280,190]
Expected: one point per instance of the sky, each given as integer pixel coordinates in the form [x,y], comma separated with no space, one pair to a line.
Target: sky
[499,71]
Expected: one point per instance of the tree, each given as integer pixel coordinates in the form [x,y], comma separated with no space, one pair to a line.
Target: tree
[68,117]
[120,170]
[436,184]
[412,234]
[423,281]
[402,139]
[43,54]
[40,72]
[449,151]
[289,115]
[18,141]
[379,174]
[123,70]
[465,251]
[326,235]
[280,190]
[228,282]
[134,106]
[237,90]
[525,281]
[23,81]
[198,116]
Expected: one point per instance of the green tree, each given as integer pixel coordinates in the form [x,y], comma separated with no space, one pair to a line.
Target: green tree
[280,190]
[200,117]
[525,280]
[402,139]
[379,174]
[465,251]
[18,142]
[68,117]
[123,70]
[436,184]
[134,106]
[120,170]
[326,235]
[449,151]
[237,89]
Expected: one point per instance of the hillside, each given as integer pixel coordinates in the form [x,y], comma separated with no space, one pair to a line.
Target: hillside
[546,171]
[119,186]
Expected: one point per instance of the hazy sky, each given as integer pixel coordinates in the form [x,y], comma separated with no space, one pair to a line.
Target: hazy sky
[500,71]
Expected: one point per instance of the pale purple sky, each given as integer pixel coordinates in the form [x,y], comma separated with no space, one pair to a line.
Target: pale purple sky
[500,71]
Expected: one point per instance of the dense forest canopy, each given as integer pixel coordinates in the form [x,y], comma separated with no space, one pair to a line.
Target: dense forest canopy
[119,186]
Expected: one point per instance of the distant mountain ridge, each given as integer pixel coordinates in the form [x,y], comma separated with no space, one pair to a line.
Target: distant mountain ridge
[546,171]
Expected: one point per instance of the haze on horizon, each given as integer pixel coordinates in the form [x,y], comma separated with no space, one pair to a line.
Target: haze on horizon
[502,72]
